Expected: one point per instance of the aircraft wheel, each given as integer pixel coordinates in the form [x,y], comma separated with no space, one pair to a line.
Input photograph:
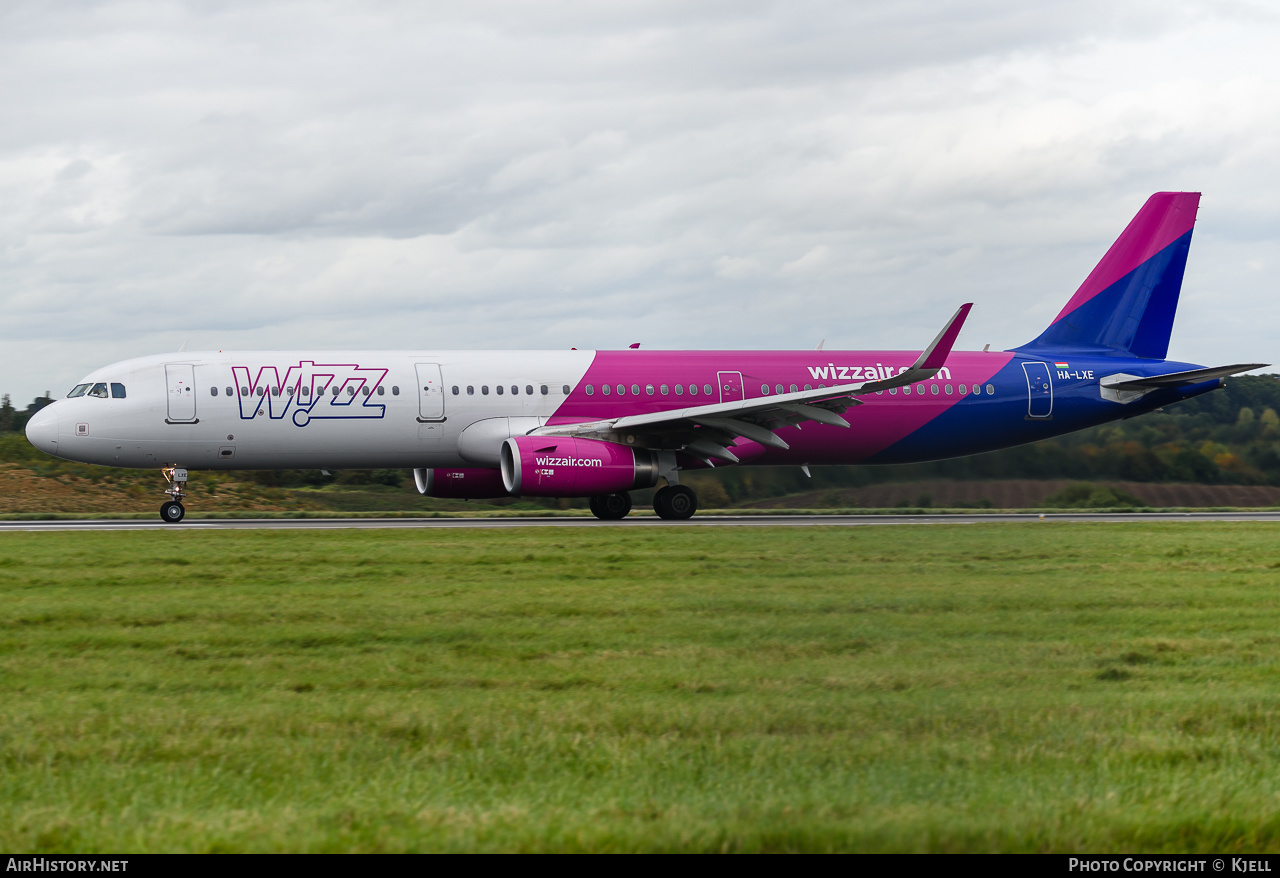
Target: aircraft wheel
[611,507]
[172,512]
[675,502]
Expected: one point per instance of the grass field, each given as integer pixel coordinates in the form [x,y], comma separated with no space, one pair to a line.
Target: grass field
[1028,687]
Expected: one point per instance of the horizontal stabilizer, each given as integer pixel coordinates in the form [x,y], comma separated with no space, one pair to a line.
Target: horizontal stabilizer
[1181,379]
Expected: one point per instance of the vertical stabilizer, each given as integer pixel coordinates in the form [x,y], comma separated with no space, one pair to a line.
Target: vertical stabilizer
[1127,303]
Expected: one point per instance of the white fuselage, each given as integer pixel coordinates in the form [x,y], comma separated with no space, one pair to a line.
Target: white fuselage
[350,409]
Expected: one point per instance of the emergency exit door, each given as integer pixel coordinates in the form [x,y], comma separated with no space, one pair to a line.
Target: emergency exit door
[430,392]
[730,386]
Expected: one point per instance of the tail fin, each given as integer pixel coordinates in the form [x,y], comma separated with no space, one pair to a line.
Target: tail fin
[1127,303]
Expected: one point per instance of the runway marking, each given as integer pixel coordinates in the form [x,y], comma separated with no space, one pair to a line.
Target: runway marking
[705,521]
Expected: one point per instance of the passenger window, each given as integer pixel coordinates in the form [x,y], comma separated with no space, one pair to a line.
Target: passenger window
[117,391]
[565,390]
[395,390]
[515,390]
[605,389]
[679,390]
[919,390]
[778,388]
[484,389]
[977,388]
[933,388]
[99,390]
[964,388]
[306,391]
[990,390]
[948,389]
[544,390]
[622,390]
[78,390]
[591,390]
[706,388]
[893,391]
[382,391]
[666,391]
[335,390]
[244,391]
[764,389]
[455,390]
[364,390]
[648,388]
[499,389]
[528,390]
[263,390]
[289,390]
[275,391]
[693,390]
[635,389]
[794,388]
[471,390]
[810,387]
[213,391]
[230,392]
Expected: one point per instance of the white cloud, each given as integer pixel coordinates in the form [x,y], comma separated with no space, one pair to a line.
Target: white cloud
[717,174]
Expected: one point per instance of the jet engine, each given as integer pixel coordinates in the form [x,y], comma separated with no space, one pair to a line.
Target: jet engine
[552,466]
[460,484]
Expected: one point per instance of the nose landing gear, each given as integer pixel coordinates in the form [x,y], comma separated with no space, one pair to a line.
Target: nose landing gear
[173,510]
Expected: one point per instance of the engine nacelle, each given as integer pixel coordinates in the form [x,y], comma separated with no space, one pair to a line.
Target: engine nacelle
[460,484]
[553,466]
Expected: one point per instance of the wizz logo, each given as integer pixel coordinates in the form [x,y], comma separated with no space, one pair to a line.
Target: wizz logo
[310,391]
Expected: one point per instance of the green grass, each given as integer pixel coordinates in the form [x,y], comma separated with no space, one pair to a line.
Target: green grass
[1022,687]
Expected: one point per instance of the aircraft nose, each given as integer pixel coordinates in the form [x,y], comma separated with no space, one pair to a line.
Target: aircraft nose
[42,430]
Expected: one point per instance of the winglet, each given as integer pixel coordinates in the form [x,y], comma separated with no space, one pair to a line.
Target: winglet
[930,359]
[939,349]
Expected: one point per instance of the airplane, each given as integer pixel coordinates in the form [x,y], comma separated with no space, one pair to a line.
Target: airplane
[600,424]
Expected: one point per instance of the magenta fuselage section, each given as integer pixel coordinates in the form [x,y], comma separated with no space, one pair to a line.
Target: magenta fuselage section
[620,383]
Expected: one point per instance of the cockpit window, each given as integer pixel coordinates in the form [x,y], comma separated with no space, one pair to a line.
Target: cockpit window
[99,390]
[117,390]
[78,390]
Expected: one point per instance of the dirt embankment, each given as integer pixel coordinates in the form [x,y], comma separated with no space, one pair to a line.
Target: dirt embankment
[22,490]
[1018,494]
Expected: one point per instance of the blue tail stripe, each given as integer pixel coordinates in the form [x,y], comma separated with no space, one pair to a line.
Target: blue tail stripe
[1133,316]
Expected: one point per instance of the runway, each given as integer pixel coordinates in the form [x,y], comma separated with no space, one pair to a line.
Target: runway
[644,521]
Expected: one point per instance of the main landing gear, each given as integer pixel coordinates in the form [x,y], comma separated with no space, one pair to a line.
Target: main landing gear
[674,502]
[611,507]
[173,511]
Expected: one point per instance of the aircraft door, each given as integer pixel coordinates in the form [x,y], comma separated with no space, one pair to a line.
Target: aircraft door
[730,386]
[180,386]
[430,392]
[1039,390]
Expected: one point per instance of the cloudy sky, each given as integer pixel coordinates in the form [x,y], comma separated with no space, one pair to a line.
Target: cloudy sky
[502,174]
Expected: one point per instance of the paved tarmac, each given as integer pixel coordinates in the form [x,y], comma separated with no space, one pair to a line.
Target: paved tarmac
[646,521]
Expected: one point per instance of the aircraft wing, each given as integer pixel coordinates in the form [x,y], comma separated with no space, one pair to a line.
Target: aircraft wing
[707,431]
[1180,379]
